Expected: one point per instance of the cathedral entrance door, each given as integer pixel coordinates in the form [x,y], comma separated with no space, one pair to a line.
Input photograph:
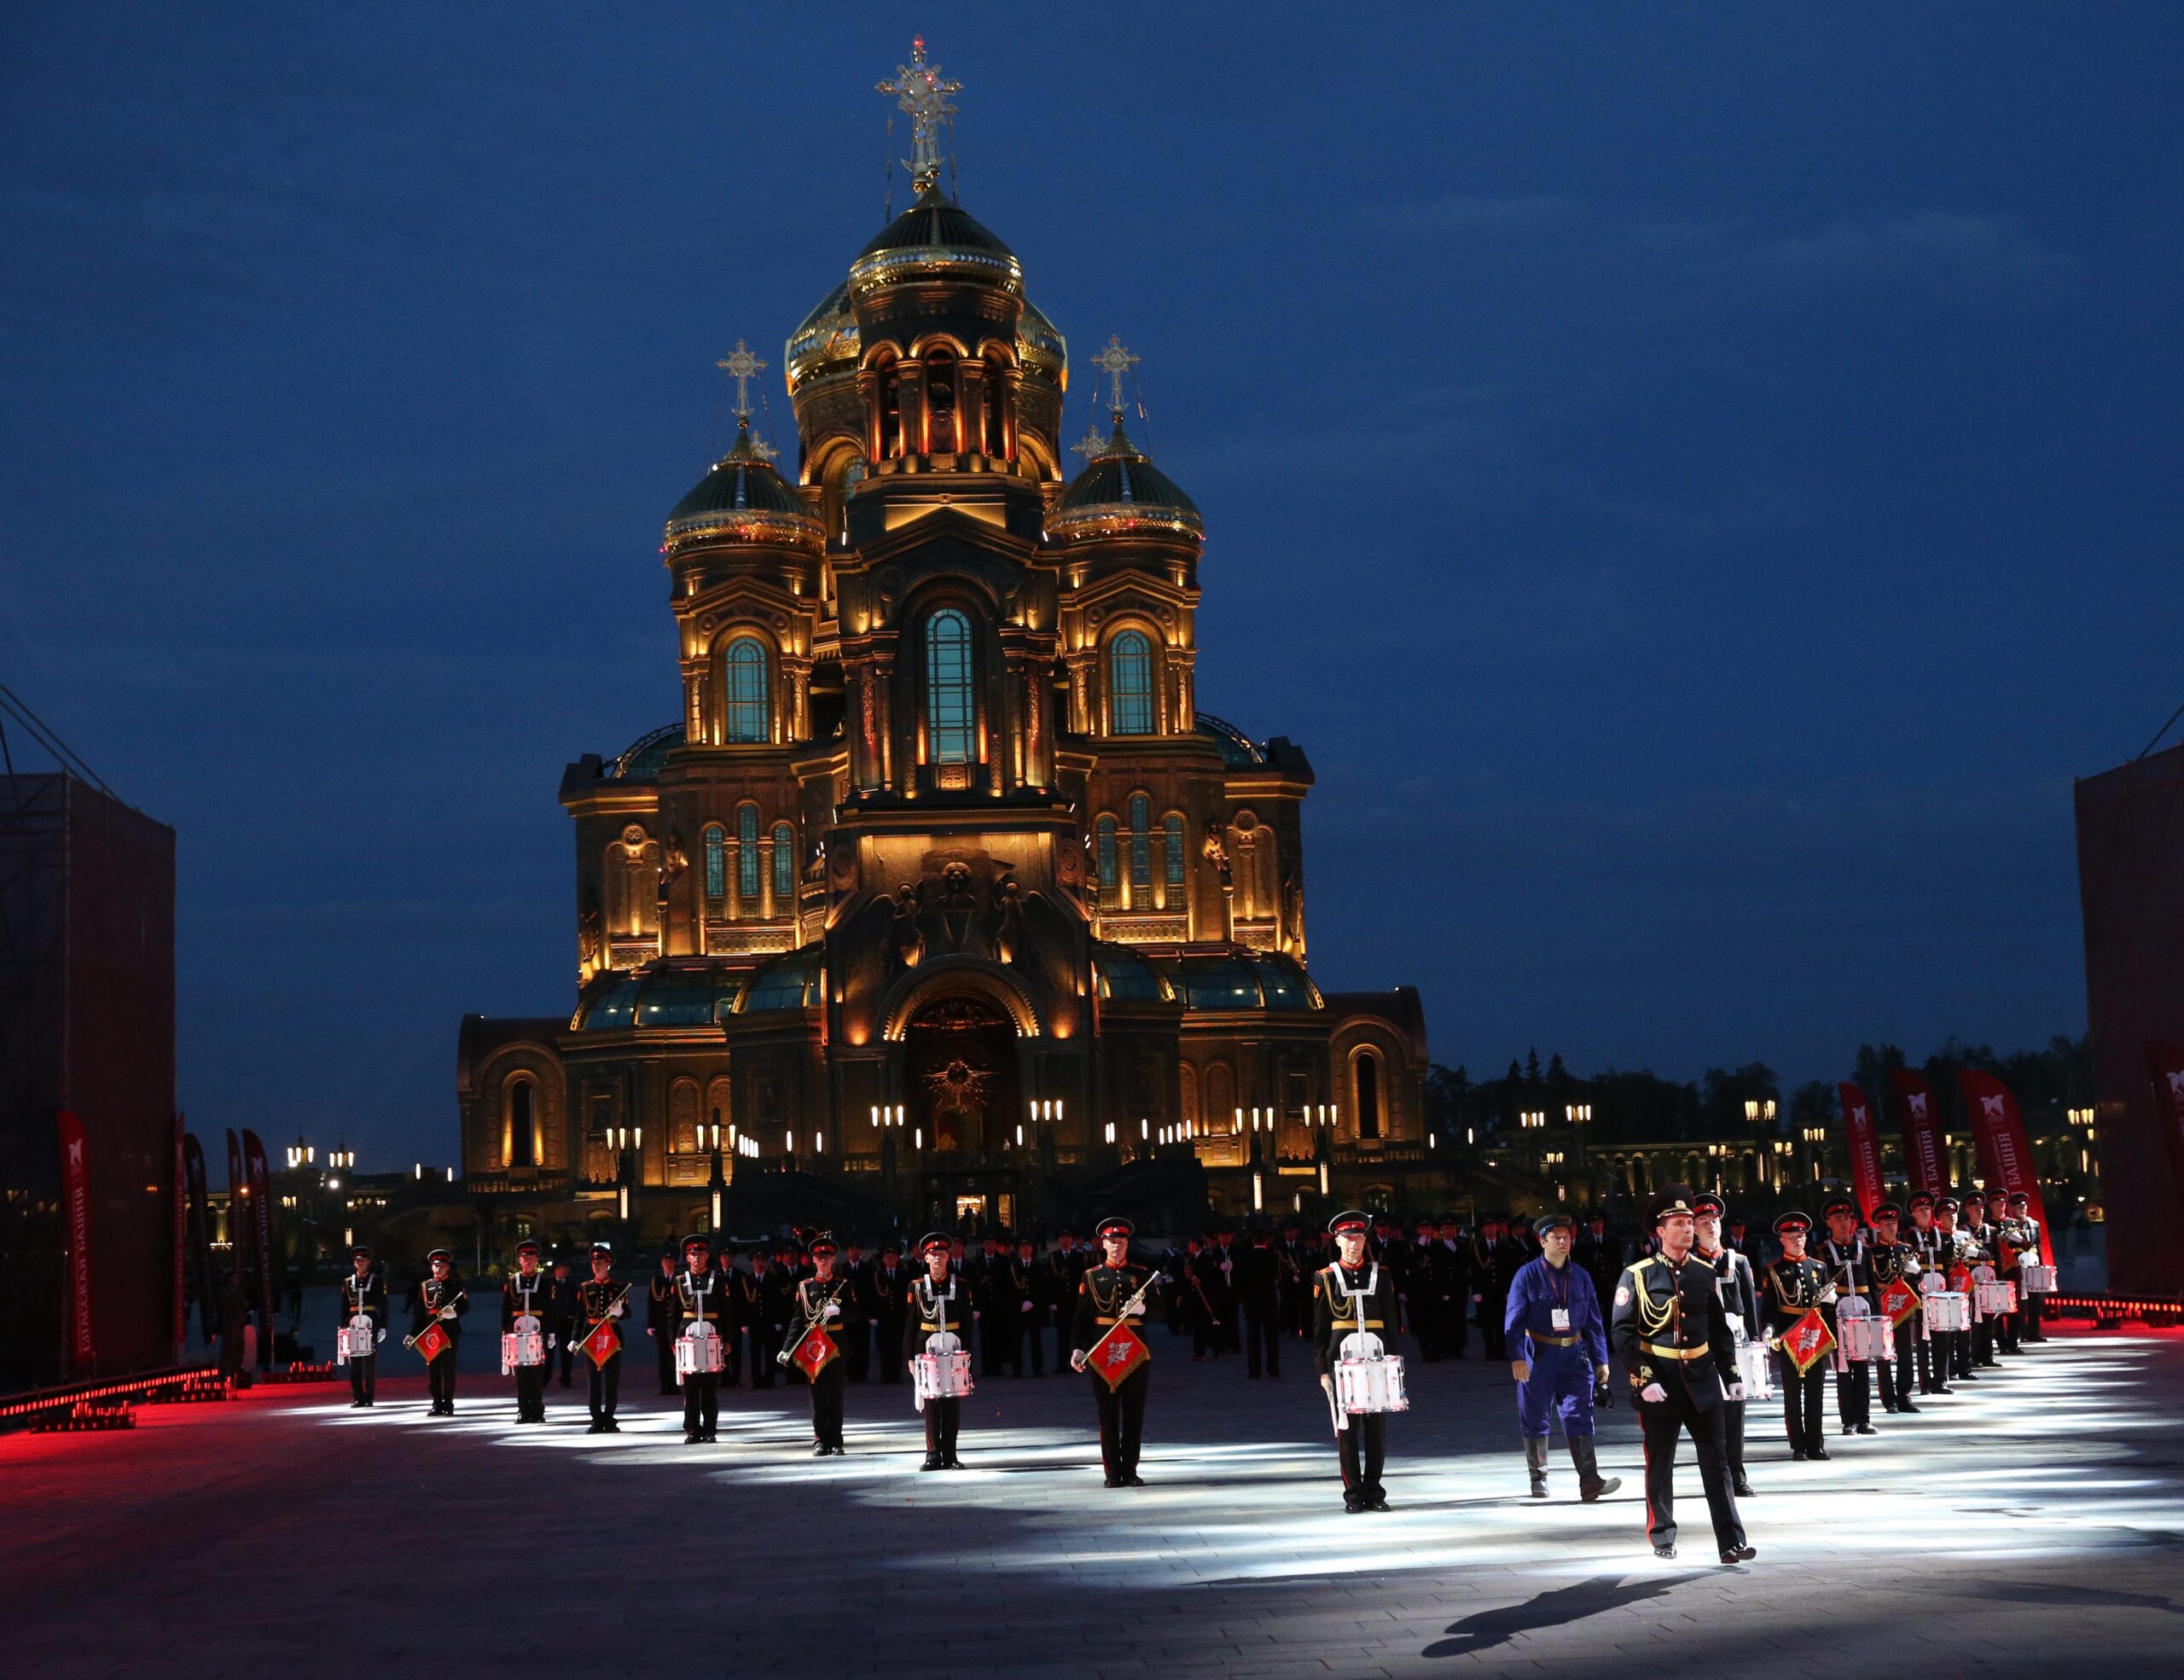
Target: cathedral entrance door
[960,1055]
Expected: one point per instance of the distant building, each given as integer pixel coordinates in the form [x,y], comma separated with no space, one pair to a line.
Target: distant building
[2131,883]
[943,894]
[86,1027]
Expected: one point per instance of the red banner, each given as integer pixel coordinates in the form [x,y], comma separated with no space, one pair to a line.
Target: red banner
[1864,1138]
[814,1354]
[261,1213]
[180,1212]
[1919,1118]
[2004,1146]
[1116,1356]
[1808,1341]
[76,1215]
[2165,1068]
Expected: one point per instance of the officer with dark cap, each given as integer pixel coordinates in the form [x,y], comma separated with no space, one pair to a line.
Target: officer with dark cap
[1889,1262]
[1843,1252]
[1955,1273]
[363,1296]
[700,1300]
[1558,1353]
[439,1300]
[1106,1338]
[1789,1288]
[1257,1279]
[602,1308]
[661,1318]
[1059,1274]
[937,1304]
[889,1283]
[1355,1289]
[2021,1239]
[1670,1330]
[1740,1292]
[529,1292]
[1928,1264]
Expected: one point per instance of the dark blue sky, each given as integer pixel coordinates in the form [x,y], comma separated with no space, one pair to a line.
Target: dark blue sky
[1700,481]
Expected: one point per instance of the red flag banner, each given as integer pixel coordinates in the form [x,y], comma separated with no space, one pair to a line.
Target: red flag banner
[1899,1301]
[432,1341]
[1864,1137]
[602,1344]
[1116,1355]
[814,1354]
[261,1197]
[2004,1146]
[76,1216]
[1920,1119]
[2165,1068]
[1808,1341]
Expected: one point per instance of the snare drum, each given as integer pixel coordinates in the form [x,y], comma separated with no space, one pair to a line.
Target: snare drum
[358,1340]
[1371,1384]
[1996,1298]
[1757,1370]
[1948,1309]
[697,1351]
[2036,1279]
[1866,1339]
[941,1376]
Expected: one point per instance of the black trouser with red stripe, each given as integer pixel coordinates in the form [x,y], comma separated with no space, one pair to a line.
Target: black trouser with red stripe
[1122,1420]
[826,1389]
[1803,1403]
[606,1388]
[1664,1423]
[364,1379]
[439,1378]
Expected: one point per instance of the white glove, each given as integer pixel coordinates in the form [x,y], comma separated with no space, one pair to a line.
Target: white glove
[1653,1393]
[1026,1307]
[550,1341]
[447,1312]
[378,1339]
[1076,1359]
[1736,1391]
[834,1311]
[616,1311]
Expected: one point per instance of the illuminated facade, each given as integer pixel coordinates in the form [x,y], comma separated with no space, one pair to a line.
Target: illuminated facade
[942,892]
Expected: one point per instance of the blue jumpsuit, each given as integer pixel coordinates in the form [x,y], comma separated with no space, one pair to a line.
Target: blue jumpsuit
[1563,1361]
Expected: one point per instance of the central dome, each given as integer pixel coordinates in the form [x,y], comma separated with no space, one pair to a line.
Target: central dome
[1121,493]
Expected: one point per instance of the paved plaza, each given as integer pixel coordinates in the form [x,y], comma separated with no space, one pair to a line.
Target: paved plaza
[2035,1518]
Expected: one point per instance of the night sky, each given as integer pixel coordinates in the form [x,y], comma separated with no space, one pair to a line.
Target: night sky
[1700,482]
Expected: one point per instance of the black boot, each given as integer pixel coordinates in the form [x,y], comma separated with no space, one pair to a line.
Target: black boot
[1535,1463]
[1591,1484]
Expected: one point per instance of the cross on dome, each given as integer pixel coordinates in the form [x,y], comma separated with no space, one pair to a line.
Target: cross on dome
[740,367]
[1091,444]
[921,90]
[1115,361]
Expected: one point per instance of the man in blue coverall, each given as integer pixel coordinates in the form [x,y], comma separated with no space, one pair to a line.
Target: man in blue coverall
[1558,1343]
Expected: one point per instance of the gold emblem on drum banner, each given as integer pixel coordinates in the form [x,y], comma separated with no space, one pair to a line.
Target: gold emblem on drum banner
[432,1342]
[1117,1354]
[1899,1301]
[602,1345]
[814,1354]
[1808,1341]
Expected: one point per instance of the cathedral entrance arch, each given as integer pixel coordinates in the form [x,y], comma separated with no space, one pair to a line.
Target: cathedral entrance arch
[960,1059]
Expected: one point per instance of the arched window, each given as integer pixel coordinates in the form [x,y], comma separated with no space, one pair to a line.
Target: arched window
[519,1123]
[1173,838]
[1365,1082]
[743,689]
[1109,880]
[951,710]
[746,853]
[683,1116]
[940,399]
[1130,683]
[1140,849]
[784,867]
[716,861]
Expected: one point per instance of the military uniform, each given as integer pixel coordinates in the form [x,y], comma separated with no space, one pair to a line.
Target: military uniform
[819,1304]
[363,1296]
[661,1320]
[1669,1329]
[701,1298]
[890,1283]
[2020,1236]
[601,1301]
[1102,1294]
[1059,1274]
[1258,1297]
[1847,1269]
[1342,1295]
[442,1301]
[1553,1324]
[1739,1292]
[1929,1261]
[1788,1289]
[771,1297]
[529,1294]
[937,1309]
[1890,1261]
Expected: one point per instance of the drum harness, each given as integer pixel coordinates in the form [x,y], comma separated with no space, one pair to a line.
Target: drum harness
[530,1297]
[1354,1344]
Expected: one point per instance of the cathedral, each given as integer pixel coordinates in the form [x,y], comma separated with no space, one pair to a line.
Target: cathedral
[943,901]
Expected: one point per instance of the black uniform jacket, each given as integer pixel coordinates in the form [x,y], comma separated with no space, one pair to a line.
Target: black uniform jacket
[1102,1293]
[1335,1311]
[1668,1324]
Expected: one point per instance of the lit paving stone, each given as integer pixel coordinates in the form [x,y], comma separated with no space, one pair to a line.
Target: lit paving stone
[2037,1515]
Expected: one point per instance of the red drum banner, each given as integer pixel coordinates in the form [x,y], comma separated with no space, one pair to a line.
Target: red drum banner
[2005,1149]
[2165,1068]
[1864,1137]
[1920,1119]
[261,1213]
[76,1220]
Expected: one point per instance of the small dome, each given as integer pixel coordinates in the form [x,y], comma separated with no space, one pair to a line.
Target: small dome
[827,338]
[1121,493]
[935,236]
[743,497]
[640,760]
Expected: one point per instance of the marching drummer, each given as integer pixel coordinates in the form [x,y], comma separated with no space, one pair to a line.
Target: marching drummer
[528,1293]
[1890,1263]
[1558,1346]
[1106,1338]
[1843,1252]
[437,1305]
[600,1305]
[1739,1292]
[1929,1265]
[701,1310]
[2021,1235]
[938,1306]
[1354,1295]
[1672,1332]
[1790,1289]
[818,1353]
[1954,1273]
[363,1296]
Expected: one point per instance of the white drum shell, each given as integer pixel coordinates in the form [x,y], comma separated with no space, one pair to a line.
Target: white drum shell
[358,1340]
[941,1376]
[1757,1371]
[1998,1297]
[1866,1339]
[1371,1385]
[698,1355]
[2036,1279]
[1948,1309]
